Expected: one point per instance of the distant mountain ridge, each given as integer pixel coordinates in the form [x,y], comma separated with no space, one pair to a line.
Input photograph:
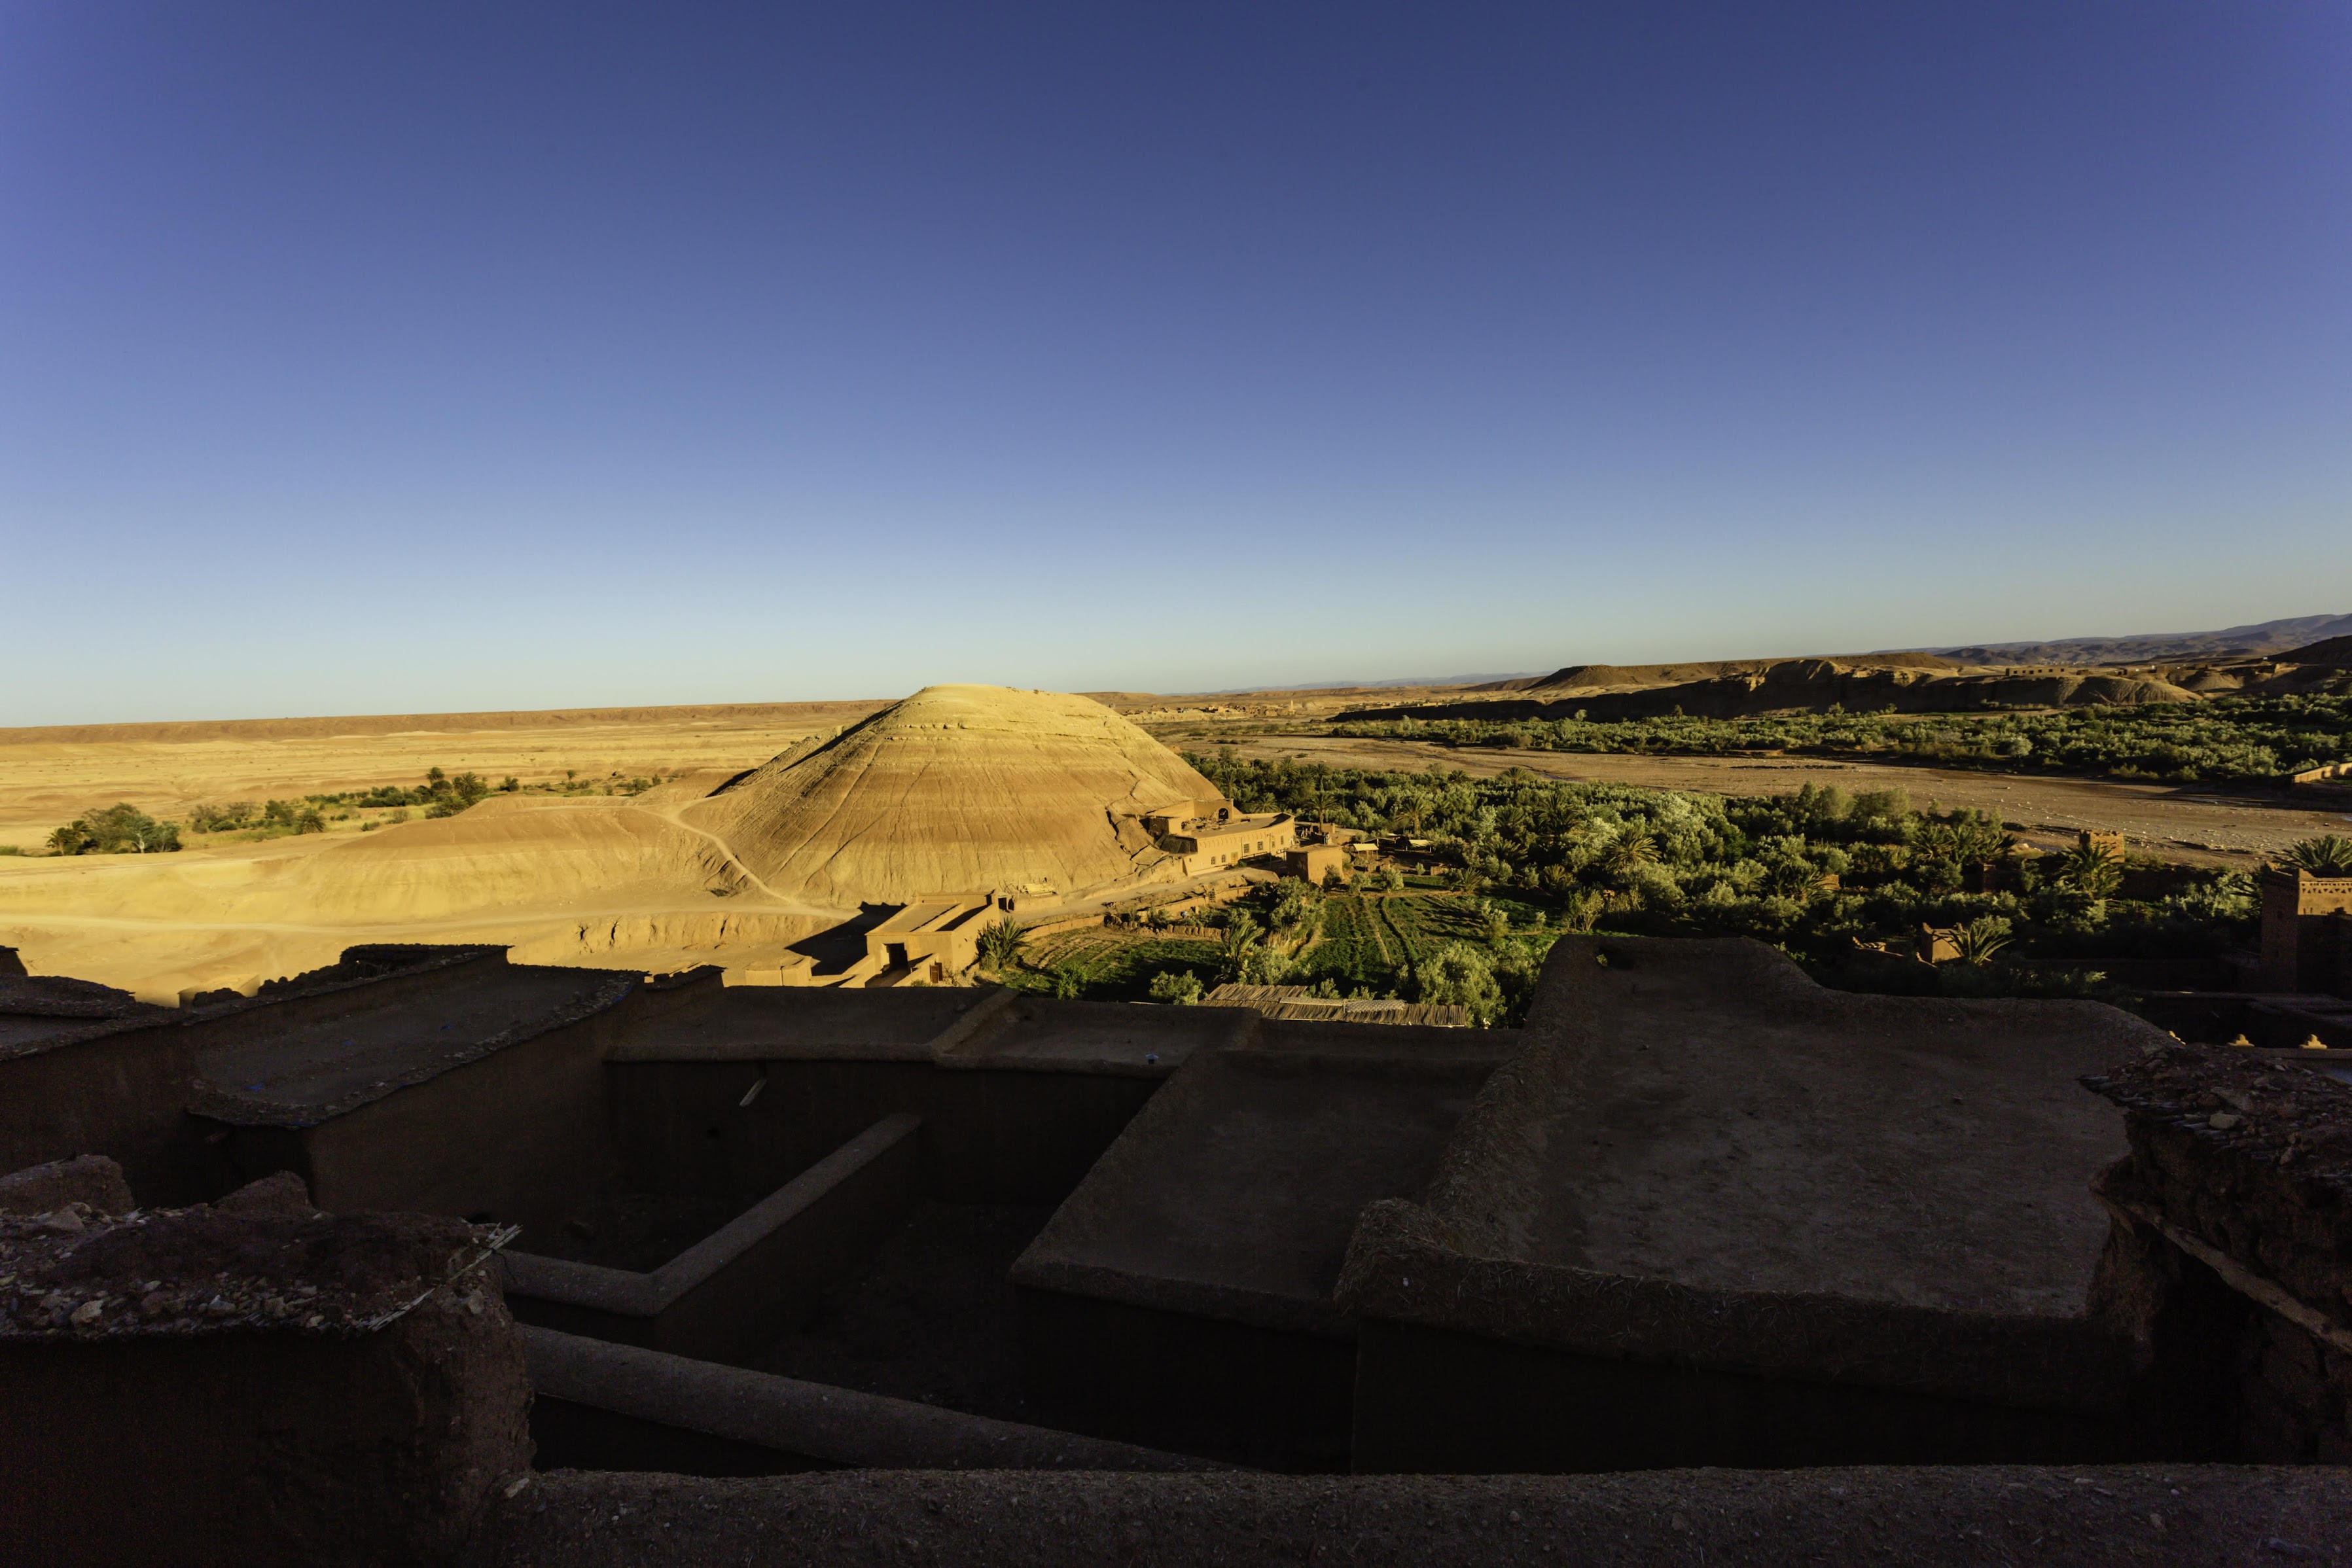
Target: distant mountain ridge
[2259,639]
[2263,638]
[1428,680]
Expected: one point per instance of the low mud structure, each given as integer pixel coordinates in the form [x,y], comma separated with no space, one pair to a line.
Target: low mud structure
[1704,1258]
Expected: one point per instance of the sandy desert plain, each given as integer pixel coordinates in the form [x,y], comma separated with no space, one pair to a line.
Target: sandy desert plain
[588,874]
[66,917]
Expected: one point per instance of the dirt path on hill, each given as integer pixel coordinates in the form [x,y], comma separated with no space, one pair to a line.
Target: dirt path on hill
[2180,823]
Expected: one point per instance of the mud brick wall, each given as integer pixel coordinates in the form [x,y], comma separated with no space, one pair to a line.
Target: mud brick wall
[204,1386]
[2242,1164]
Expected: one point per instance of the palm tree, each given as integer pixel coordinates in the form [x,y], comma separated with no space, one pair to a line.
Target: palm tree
[1981,939]
[2092,871]
[1233,950]
[2326,856]
[1981,838]
[1001,943]
[1628,856]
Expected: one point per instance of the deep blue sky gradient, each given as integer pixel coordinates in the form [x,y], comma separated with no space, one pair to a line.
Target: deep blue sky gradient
[421,357]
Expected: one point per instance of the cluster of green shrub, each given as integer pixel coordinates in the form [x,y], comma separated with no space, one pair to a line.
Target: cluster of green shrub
[2225,738]
[440,795]
[572,784]
[270,818]
[1820,873]
[119,829]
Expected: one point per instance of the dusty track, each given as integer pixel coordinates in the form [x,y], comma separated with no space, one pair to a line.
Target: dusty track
[2180,823]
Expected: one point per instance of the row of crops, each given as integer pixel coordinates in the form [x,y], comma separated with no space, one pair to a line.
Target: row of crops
[1364,941]
[1111,963]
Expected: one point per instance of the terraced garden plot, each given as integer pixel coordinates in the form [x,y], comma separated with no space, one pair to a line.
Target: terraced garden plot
[1400,929]
[1083,950]
[1111,964]
[1353,922]
[1420,922]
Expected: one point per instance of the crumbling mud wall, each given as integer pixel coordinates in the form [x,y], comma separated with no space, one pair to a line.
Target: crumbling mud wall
[2236,1201]
[257,1384]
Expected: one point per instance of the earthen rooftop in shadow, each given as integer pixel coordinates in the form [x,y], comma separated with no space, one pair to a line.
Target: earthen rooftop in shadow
[1705,1158]
[304,1065]
[39,1011]
[1720,1120]
[1235,1191]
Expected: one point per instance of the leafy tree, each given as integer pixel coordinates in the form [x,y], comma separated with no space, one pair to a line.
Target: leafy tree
[1297,910]
[1180,987]
[1262,965]
[2228,898]
[449,796]
[119,829]
[293,817]
[1457,974]
[1880,810]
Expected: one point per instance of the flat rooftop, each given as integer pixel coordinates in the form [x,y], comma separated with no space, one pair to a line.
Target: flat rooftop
[946,914]
[301,1068]
[1727,1124]
[1704,1155]
[1234,1191]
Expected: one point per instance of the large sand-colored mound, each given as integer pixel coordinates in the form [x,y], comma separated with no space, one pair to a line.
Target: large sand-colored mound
[955,789]
[958,788]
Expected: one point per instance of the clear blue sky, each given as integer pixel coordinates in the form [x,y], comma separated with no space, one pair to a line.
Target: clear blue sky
[401,357]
